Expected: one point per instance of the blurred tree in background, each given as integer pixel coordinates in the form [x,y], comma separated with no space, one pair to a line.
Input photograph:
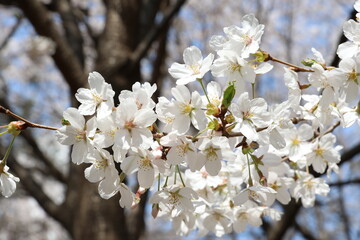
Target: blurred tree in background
[47,49]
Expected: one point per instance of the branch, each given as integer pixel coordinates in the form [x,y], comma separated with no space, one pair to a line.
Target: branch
[304,231]
[64,57]
[12,31]
[51,168]
[292,66]
[27,123]
[336,59]
[340,184]
[35,190]
[291,210]
[287,220]
[70,25]
[146,43]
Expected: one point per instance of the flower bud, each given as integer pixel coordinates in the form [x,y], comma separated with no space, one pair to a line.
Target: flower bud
[65,122]
[211,109]
[261,56]
[229,118]
[155,210]
[214,124]
[16,127]
[308,62]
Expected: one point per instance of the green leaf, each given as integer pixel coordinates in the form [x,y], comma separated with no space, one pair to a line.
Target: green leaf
[229,94]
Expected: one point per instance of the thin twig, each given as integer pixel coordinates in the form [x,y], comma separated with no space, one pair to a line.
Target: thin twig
[12,31]
[146,43]
[27,122]
[292,66]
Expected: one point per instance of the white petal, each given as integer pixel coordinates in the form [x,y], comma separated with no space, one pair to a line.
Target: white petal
[146,177]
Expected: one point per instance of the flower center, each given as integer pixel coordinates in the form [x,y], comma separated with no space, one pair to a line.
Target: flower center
[248,40]
[211,154]
[103,163]
[174,198]
[295,141]
[319,151]
[129,125]
[81,135]
[97,98]
[145,163]
[235,67]
[353,76]
[187,109]
[195,68]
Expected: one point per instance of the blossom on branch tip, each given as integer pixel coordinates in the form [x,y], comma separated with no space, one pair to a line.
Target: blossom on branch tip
[7,181]
[98,98]
[194,68]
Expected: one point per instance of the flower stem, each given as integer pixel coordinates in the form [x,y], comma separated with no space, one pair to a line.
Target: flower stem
[199,133]
[8,151]
[159,182]
[4,132]
[203,87]
[182,180]
[250,179]
[253,90]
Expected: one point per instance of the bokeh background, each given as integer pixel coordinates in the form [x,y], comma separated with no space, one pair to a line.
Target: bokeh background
[48,47]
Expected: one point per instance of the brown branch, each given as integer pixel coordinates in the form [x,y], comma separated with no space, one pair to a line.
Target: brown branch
[291,210]
[143,47]
[304,231]
[64,57]
[35,190]
[51,168]
[343,183]
[287,220]
[292,66]
[27,122]
[19,19]
[342,39]
[70,25]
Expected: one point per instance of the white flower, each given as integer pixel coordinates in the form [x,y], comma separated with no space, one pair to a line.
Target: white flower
[243,40]
[140,160]
[212,151]
[194,68]
[307,187]
[106,136]
[78,134]
[102,169]
[280,115]
[328,81]
[141,94]
[133,125]
[351,69]
[163,108]
[296,141]
[175,199]
[292,82]
[186,108]
[234,68]
[127,196]
[323,153]
[350,48]
[99,96]
[250,114]
[214,93]
[258,194]
[280,185]
[7,181]
[182,149]
[218,221]
[248,213]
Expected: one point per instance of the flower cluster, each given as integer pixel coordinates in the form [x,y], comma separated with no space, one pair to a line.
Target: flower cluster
[245,154]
